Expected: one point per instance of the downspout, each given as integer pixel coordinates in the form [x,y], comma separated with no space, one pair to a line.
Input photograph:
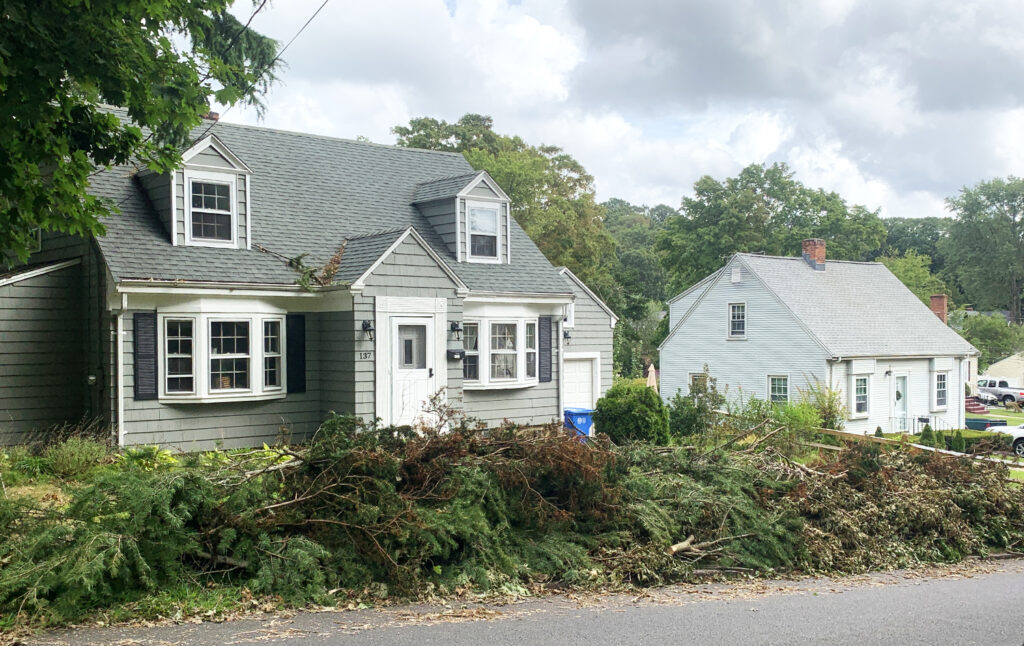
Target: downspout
[120,370]
[560,341]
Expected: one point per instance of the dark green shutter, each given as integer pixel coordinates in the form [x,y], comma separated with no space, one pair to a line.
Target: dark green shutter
[295,352]
[144,355]
[544,349]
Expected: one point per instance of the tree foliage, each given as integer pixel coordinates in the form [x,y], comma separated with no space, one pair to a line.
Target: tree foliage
[913,270]
[763,209]
[62,63]
[991,335]
[985,247]
[924,236]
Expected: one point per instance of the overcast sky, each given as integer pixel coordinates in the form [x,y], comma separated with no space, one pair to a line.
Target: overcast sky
[895,105]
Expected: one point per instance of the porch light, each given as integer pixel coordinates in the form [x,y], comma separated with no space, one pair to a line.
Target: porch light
[456,329]
[368,329]
[566,335]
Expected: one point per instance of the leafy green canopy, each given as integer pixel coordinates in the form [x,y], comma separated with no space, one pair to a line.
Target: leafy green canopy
[62,61]
[913,271]
[986,244]
[763,209]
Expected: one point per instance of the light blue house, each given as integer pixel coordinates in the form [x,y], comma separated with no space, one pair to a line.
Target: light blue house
[278,276]
[771,327]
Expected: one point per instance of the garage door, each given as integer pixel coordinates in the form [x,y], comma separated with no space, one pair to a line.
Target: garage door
[579,383]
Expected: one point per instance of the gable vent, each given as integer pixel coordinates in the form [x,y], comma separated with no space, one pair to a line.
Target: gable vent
[737,275]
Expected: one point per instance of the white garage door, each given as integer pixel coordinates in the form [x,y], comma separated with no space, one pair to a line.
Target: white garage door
[579,383]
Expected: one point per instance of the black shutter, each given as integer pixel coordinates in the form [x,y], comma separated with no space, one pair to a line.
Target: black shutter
[544,352]
[144,354]
[295,352]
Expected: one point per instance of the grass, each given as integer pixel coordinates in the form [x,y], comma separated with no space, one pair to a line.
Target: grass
[1017,474]
[1012,419]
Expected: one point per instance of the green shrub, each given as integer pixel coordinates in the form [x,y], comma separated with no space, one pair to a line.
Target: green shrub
[146,458]
[694,414]
[958,443]
[927,437]
[632,412]
[74,457]
[940,440]
[878,432]
[829,404]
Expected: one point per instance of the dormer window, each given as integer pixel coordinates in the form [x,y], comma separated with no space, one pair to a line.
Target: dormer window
[211,209]
[483,232]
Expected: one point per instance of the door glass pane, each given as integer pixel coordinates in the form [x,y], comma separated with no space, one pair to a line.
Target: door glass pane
[413,346]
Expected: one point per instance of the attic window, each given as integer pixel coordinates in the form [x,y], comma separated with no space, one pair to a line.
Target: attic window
[483,232]
[211,209]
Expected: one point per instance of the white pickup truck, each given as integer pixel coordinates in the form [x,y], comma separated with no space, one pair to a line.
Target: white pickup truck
[1001,389]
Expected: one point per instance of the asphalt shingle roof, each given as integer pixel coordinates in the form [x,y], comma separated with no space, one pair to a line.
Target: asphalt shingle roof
[857,308]
[308,193]
[441,188]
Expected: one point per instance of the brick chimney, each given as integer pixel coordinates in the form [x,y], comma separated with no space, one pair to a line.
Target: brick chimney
[940,304]
[212,116]
[814,253]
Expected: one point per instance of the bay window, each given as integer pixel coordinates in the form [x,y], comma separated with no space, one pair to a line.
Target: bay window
[500,353]
[216,357]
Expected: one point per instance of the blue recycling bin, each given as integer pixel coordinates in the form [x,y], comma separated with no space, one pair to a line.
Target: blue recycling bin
[580,420]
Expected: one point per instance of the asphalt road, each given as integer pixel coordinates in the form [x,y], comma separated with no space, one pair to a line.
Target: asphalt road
[981,603]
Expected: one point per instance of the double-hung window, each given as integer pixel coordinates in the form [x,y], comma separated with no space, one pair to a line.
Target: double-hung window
[531,350]
[178,355]
[211,211]
[737,320]
[778,388]
[484,237]
[860,396]
[272,353]
[229,355]
[941,389]
[471,345]
[504,354]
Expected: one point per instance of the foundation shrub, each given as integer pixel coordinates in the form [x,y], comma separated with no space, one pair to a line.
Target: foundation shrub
[631,411]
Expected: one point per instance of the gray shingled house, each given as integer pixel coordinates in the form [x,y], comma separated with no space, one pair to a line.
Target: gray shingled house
[771,327]
[186,325]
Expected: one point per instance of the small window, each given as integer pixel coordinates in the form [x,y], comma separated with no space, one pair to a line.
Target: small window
[860,395]
[271,354]
[178,340]
[471,344]
[413,346]
[531,350]
[483,232]
[229,355]
[778,389]
[211,211]
[504,351]
[941,389]
[737,320]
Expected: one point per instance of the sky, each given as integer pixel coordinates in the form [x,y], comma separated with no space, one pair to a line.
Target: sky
[895,104]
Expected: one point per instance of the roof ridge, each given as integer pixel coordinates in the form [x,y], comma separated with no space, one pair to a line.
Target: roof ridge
[828,261]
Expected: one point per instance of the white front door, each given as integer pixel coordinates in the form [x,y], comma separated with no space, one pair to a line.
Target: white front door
[899,403]
[413,364]
[579,383]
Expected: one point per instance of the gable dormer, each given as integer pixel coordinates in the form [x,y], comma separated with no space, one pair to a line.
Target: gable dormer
[205,203]
[471,214]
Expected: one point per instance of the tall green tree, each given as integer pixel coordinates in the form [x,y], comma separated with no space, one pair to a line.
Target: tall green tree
[552,194]
[763,209]
[61,61]
[913,270]
[986,244]
[991,335]
[924,236]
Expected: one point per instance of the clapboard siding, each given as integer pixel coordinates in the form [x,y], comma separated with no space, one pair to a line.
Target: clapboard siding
[441,215]
[196,426]
[42,352]
[776,343]
[592,332]
[158,188]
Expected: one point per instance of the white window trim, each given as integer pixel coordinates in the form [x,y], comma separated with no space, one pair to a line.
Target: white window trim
[935,390]
[484,343]
[728,322]
[228,178]
[853,414]
[201,355]
[280,353]
[535,349]
[497,206]
[768,384]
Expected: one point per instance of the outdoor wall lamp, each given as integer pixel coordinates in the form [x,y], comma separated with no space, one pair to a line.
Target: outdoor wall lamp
[456,329]
[566,335]
[368,329]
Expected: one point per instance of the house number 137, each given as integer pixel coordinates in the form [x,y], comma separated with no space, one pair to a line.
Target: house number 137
[365,355]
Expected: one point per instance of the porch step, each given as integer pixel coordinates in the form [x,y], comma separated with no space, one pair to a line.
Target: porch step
[972,405]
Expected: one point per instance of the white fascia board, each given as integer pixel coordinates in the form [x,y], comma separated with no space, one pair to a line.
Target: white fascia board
[565,271]
[485,177]
[359,283]
[209,289]
[39,271]
[517,297]
[212,141]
